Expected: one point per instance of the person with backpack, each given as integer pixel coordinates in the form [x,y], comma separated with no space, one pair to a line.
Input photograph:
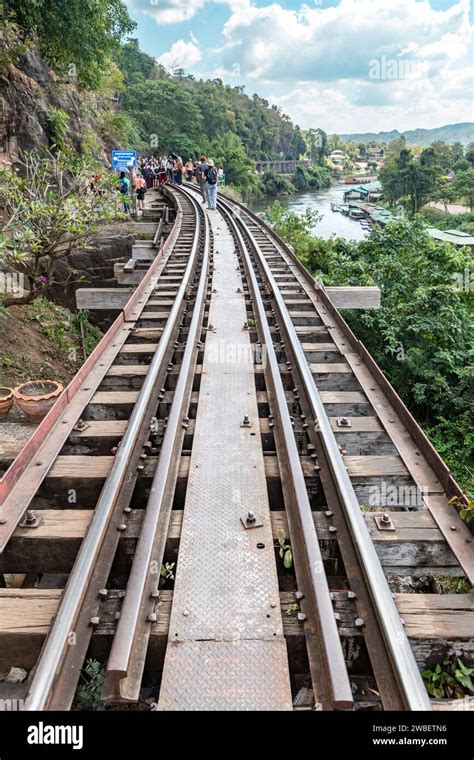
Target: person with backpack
[211,182]
[124,188]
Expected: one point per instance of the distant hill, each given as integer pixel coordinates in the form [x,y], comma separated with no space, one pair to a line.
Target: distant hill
[451,133]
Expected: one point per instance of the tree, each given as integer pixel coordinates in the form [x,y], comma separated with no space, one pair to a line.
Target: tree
[300,178]
[76,37]
[464,187]
[469,154]
[409,180]
[167,115]
[50,214]
[135,65]
[457,151]
[317,141]
[445,192]
[230,152]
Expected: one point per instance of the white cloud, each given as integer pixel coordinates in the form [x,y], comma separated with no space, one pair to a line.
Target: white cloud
[167,11]
[181,55]
[337,42]
[325,56]
[411,105]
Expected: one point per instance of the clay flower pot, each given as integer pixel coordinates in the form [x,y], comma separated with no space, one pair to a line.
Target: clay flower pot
[36,397]
[6,401]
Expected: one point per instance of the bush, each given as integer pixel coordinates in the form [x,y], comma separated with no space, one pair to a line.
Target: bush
[273,184]
[58,128]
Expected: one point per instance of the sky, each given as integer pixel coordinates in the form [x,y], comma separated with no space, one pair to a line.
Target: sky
[341,65]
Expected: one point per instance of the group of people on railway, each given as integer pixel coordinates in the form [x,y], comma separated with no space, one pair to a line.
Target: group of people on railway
[153,172]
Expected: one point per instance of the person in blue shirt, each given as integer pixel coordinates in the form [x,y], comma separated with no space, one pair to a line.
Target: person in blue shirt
[125,191]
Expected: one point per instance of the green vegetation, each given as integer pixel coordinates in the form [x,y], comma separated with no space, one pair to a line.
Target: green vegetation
[440,172]
[90,686]
[58,127]
[50,214]
[86,333]
[284,550]
[166,574]
[422,335]
[44,340]
[76,38]
[450,679]
[435,217]
[466,511]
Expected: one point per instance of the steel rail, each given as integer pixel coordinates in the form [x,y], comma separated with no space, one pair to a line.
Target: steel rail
[127,656]
[53,650]
[402,659]
[338,683]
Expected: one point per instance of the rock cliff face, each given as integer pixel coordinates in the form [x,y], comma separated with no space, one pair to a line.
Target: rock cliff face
[29,92]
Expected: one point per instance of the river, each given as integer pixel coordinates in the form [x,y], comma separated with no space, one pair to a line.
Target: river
[332,223]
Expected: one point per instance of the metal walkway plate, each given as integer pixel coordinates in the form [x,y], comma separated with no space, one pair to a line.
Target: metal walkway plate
[226,649]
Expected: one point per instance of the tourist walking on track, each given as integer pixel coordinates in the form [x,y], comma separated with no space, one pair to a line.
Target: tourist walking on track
[124,188]
[201,177]
[211,182]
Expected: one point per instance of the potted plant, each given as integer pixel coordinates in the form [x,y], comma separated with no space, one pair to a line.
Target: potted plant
[6,401]
[36,397]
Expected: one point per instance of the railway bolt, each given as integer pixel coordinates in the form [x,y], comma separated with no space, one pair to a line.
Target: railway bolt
[301,617]
[95,621]
[152,617]
[30,520]
[103,593]
[359,622]
[332,529]
[122,527]
[299,595]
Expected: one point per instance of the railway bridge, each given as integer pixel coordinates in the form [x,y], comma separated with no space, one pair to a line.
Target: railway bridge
[227,502]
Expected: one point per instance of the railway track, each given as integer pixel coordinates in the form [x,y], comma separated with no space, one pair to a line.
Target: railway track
[229,416]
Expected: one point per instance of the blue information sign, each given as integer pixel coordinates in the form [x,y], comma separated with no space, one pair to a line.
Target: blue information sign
[124,159]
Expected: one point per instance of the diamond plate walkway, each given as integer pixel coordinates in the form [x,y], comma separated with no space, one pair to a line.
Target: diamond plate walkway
[226,649]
